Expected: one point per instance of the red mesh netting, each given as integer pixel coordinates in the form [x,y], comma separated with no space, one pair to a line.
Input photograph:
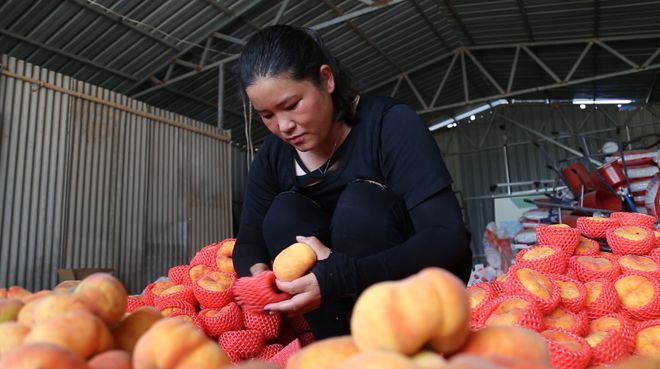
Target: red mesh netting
[579,325]
[657,238]
[228,318]
[595,227]
[178,274]
[626,328]
[633,219]
[514,286]
[226,247]
[245,344]
[530,317]
[655,254]
[587,247]
[133,302]
[609,349]
[270,351]
[572,303]
[571,273]
[148,296]
[298,324]
[281,358]
[253,293]
[193,318]
[553,263]
[206,255]
[175,305]
[186,294]
[306,338]
[650,310]
[565,237]
[475,311]
[268,323]
[562,357]
[639,241]
[586,267]
[640,327]
[213,299]
[636,264]
[499,284]
[604,302]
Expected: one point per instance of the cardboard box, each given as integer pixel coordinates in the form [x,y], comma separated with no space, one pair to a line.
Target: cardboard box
[68,274]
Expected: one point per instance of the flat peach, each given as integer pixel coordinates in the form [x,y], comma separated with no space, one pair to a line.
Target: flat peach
[535,282]
[196,272]
[563,339]
[476,296]
[568,289]
[635,291]
[508,312]
[560,318]
[538,252]
[594,289]
[632,233]
[595,263]
[638,262]
[647,341]
[215,281]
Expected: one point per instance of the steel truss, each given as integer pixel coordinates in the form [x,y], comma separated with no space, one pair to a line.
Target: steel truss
[463,55]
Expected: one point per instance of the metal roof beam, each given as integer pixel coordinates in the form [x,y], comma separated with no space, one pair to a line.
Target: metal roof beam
[578,61]
[234,15]
[238,15]
[484,71]
[459,21]
[66,54]
[617,54]
[229,38]
[348,16]
[123,21]
[280,12]
[380,51]
[525,18]
[444,79]
[541,64]
[541,88]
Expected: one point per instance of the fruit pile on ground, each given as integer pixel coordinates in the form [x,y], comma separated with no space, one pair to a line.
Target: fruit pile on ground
[592,307]
[189,320]
[208,293]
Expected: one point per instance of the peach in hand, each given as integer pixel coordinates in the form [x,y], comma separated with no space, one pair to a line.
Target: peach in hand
[294,261]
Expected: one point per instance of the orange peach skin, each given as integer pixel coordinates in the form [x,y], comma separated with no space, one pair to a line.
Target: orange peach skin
[507,343]
[12,334]
[133,326]
[113,359]
[454,327]
[105,295]
[174,343]
[78,331]
[333,352]
[41,356]
[294,262]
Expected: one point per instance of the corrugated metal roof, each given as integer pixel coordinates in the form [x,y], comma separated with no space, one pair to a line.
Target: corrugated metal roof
[130,45]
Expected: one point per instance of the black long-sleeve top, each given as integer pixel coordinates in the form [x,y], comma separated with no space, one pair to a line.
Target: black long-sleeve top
[389,144]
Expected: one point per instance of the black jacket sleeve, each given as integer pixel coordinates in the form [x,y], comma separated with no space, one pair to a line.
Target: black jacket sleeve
[440,241]
[260,191]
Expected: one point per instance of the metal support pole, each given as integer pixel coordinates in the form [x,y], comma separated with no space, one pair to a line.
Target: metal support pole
[514,65]
[464,72]
[221,95]
[444,79]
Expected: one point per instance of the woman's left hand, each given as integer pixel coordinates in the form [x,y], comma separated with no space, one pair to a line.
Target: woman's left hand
[306,296]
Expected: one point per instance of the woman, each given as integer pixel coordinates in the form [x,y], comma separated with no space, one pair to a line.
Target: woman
[358,178]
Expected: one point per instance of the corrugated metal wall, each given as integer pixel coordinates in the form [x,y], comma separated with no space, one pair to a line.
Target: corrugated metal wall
[87,183]
[474,151]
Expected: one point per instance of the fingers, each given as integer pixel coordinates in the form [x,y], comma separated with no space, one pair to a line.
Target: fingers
[258,268]
[298,304]
[297,286]
[322,252]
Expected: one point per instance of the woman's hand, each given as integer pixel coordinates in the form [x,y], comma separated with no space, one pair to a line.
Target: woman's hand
[306,296]
[322,252]
[305,290]
[258,268]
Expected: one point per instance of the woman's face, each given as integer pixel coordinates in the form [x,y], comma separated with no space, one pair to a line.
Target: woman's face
[298,112]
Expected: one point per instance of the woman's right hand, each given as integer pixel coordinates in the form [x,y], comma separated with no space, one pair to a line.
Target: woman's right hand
[258,268]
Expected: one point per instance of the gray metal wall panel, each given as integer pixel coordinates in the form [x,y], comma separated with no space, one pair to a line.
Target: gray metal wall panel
[474,154]
[88,184]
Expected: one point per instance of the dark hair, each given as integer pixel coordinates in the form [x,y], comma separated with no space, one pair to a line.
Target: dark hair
[300,53]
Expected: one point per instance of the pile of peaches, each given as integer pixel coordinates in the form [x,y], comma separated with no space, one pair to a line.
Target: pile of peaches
[204,293]
[189,320]
[592,307]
